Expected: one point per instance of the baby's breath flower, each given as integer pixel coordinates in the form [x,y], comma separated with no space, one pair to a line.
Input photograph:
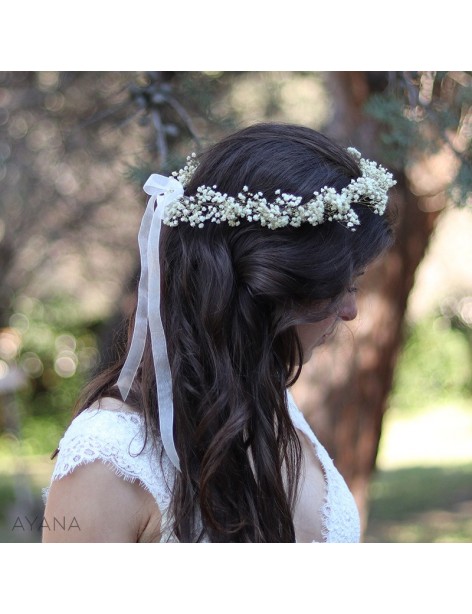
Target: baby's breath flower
[208,204]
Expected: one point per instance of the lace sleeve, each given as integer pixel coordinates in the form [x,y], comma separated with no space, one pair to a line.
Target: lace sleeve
[117,439]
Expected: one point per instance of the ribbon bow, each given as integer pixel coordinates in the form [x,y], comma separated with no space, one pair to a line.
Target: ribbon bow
[163,191]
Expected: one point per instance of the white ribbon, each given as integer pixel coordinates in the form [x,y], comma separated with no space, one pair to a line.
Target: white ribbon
[163,191]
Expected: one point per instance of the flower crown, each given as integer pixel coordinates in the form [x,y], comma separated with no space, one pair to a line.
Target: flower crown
[208,203]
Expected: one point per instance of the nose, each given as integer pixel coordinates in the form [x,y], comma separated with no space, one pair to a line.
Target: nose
[348,310]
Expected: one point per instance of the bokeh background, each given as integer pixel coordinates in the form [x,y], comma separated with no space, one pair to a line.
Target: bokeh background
[390,397]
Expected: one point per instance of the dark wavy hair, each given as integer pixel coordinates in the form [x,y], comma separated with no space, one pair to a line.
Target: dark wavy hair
[232,297]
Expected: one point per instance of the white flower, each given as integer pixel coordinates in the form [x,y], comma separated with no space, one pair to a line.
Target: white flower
[208,203]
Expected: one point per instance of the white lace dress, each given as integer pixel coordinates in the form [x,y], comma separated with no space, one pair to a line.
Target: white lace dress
[116,438]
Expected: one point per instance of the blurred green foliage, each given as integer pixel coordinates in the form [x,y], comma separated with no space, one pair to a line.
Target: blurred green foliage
[421,504]
[422,112]
[57,351]
[398,131]
[64,347]
[435,365]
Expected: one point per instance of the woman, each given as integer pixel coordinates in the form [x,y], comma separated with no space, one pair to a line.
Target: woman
[262,241]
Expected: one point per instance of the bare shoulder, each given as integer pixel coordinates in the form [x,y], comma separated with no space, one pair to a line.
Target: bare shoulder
[115,405]
[94,504]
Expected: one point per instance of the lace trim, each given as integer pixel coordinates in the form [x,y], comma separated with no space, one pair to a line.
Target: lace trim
[339,514]
[117,439]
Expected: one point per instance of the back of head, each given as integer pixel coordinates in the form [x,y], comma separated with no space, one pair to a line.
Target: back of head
[283,269]
[232,296]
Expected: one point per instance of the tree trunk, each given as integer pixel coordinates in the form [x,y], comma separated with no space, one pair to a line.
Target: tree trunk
[343,391]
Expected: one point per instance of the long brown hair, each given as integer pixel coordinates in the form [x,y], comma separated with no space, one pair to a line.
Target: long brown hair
[229,299]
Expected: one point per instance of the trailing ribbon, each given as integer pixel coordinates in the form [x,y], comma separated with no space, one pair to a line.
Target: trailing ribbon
[163,191]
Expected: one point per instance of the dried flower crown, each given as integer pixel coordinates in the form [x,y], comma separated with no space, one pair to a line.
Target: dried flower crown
[208,203]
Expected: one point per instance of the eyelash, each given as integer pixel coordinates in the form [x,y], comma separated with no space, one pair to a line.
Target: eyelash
[353,289]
